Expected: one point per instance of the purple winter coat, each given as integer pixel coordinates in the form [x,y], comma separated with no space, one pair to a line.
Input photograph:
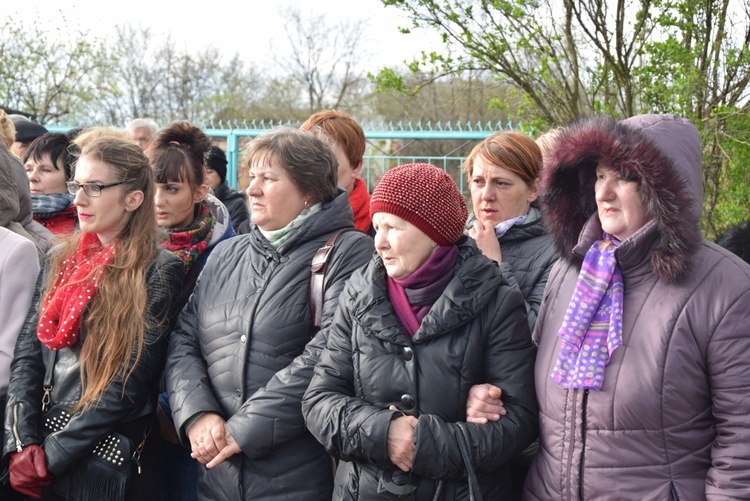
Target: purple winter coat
[672,420]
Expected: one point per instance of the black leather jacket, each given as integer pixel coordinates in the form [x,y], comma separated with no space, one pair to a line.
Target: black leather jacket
[23,412]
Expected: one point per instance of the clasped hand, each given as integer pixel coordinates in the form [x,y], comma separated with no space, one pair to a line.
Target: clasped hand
[210,440]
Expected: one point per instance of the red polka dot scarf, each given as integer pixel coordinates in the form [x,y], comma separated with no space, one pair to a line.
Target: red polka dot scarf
[75,285]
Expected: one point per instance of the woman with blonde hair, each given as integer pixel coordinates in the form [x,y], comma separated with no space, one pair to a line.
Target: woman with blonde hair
[87,363]
[7,129]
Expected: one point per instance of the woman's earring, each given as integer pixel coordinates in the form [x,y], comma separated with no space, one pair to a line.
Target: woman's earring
[306,205]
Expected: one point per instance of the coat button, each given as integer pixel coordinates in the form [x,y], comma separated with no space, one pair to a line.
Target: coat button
[407,401]
[238,393]
[407,353]
[243,338]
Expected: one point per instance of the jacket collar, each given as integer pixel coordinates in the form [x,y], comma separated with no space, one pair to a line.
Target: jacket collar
[333,216]
[474,284]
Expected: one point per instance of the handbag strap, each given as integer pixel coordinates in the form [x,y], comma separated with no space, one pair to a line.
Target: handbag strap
[47,385]
[464,443]
[317,277]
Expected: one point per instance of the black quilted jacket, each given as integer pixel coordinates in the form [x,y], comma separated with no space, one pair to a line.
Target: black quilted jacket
[248,318]
[528,256]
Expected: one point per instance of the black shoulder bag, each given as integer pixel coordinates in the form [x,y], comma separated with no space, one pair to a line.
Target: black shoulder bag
[105,472]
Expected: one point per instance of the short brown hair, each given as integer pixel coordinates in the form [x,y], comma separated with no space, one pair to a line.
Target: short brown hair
[513,151]
[308,159]
[343,129]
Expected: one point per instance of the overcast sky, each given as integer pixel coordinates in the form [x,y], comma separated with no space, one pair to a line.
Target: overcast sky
[245,27]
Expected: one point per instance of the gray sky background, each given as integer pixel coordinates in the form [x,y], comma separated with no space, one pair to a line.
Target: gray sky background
[246,28]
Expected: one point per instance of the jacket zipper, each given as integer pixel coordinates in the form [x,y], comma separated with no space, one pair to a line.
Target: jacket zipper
[584,406]
[572,435]
[19,444]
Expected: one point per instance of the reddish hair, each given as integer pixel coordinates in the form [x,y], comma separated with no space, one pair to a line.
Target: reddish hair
[343,129]
[513,151]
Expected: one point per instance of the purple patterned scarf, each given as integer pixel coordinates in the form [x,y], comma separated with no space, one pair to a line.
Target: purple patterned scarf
[592,327]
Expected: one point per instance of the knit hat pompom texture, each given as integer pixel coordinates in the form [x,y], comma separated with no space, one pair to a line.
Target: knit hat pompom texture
[425,196]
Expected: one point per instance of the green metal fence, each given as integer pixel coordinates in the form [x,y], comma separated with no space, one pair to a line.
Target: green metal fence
[389,144]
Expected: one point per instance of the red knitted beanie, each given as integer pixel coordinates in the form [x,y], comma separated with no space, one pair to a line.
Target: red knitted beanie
[425,196]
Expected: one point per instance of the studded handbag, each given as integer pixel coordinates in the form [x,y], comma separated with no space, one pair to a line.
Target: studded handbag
[102,474]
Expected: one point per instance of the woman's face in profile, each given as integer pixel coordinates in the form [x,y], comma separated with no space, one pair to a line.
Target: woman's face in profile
[45,177]
[618,203]
[273,197]
[175,204]
[402,246]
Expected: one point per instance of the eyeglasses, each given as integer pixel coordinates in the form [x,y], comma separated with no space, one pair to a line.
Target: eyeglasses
[92,189]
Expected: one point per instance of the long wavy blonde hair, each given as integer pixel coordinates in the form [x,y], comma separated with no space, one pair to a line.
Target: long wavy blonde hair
[114,322]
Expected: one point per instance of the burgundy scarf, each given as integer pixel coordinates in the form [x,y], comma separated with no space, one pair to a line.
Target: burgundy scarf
[413,296]
[72,290]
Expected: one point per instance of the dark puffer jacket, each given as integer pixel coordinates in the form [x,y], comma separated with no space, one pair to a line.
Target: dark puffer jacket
[248,318]
[671,420]
[476,332]
[528,256]
[236,203]
[113,412]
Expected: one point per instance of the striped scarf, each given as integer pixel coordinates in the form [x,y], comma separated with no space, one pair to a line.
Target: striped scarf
[49,206]
[592,326]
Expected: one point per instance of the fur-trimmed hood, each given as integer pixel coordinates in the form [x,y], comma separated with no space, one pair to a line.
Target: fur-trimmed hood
[661,153]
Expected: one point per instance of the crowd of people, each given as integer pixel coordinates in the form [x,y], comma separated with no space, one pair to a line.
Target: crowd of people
[568,335]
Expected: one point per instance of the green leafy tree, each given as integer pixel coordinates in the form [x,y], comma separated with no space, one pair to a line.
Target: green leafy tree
[52,73]
[569,58]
